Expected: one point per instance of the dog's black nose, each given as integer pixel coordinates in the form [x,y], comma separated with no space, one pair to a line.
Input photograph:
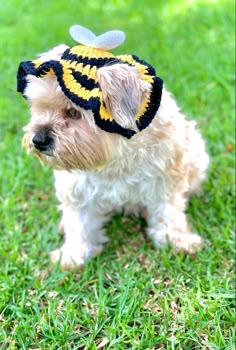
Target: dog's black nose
[42,141]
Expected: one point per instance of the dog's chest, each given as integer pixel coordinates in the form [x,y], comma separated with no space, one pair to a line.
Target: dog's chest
[107,192]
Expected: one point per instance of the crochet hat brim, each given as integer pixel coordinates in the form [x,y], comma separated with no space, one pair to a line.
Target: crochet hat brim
[76,74]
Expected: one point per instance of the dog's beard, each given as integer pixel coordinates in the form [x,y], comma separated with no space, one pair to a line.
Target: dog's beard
[84,151]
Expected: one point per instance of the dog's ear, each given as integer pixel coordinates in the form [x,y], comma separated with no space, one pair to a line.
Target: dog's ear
[123,92]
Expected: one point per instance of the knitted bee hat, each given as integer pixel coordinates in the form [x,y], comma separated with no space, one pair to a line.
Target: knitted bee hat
[76,73]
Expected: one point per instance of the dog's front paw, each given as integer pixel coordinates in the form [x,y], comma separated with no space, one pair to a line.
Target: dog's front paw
[66,260]
[72,259]
[187,242]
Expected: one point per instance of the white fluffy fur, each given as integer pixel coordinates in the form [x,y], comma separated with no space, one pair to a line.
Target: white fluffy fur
[155,171]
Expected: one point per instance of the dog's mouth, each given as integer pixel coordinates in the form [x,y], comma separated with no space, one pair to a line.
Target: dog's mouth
[48,153]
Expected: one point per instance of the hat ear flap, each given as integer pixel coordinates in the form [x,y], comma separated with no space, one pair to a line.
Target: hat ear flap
[123,92]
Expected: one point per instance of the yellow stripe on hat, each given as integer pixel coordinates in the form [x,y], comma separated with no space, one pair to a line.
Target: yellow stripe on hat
[90,52]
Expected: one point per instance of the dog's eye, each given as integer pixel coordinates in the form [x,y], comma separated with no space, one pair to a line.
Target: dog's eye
[72,113]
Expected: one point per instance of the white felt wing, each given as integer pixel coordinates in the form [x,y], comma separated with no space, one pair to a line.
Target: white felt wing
[82,35]
[109,40]
[105,41]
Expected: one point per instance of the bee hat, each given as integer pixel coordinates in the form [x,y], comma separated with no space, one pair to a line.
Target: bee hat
[76,73]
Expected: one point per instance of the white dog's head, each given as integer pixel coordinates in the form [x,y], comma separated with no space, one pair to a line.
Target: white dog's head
[81,111]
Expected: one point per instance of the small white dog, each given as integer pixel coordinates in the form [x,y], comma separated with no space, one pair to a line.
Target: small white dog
[117,142]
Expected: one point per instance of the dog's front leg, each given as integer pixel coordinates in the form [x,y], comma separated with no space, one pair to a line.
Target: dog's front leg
[168,224]
[84,236]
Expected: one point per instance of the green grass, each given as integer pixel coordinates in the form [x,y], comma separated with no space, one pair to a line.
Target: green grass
[131,296]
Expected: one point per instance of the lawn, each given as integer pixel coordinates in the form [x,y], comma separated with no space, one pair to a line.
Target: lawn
[131,296]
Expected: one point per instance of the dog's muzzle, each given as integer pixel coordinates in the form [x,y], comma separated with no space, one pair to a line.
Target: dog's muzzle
[43,142]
